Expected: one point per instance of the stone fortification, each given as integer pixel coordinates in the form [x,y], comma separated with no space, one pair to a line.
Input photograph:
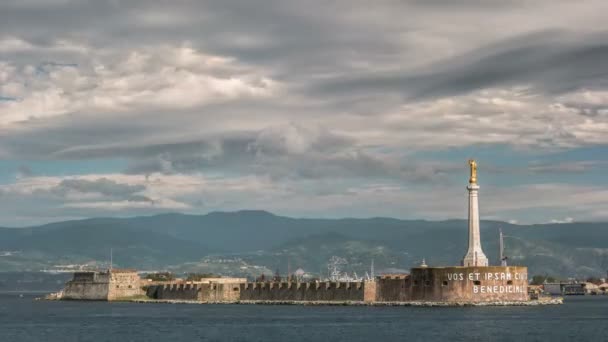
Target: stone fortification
[87,286]
[124,284]
[393,288]
[239,290]
[488,284]
[458,284]
[206,290]
[310,291]
[113,284]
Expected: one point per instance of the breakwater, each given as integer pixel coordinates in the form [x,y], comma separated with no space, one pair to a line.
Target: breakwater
[543,301]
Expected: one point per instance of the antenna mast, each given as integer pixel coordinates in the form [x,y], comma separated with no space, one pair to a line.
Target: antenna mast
[372,270]
[503,258]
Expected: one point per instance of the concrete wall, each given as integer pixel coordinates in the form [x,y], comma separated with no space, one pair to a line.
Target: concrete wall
[468,284]
[313,291]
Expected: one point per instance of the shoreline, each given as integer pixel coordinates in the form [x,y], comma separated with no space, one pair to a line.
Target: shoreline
[549,301]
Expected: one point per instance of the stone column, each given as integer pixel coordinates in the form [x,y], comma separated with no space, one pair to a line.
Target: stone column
[474,256]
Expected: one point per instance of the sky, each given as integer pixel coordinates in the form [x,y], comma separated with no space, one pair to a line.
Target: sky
[318,108]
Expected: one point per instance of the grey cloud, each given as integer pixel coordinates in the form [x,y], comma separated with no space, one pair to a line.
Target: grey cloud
[553,62]
[360,84]
[24,171]
[286,152]
[104,186]
[567,167]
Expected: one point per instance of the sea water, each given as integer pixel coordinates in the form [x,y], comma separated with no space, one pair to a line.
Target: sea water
[24,319]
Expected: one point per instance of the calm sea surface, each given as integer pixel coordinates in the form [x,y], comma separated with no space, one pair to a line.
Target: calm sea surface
[22,319]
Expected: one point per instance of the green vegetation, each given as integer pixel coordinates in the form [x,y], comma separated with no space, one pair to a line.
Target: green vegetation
[199,276]
[265,242]
[541,279]
[160,276]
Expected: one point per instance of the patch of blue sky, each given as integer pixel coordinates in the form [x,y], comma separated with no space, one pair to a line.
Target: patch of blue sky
[506,165]
[9,169]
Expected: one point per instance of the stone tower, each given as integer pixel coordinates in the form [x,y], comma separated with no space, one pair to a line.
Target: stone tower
[475,255]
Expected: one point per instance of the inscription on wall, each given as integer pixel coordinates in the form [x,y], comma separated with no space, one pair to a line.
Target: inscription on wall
[480,277]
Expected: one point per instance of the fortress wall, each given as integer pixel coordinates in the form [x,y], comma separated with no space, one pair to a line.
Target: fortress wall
[107,285]
[370,291]
[204,292]
[87,286]
[396,289]
[175,291]
[85,291]
[214,292]
[124,284]
[313,291]
[469,284]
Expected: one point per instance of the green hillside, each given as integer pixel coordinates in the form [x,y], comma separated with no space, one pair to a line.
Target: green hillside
[258,238]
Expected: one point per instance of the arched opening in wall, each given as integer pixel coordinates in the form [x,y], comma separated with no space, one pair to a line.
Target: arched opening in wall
[415,282]
[235,289]
[509,282]
[130,286]
[445,283]
[427,283]
[117,286]
[477,282]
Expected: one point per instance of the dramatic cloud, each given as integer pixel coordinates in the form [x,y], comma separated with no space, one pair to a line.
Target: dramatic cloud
[311,108]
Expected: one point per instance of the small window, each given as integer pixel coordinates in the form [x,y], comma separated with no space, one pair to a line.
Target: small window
[130,286]
[235,289]
[509,282]
[117,286]
[445,283]
[477,282]
[415,282]
[427,283]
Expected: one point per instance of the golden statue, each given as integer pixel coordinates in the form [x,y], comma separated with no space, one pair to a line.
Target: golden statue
[473,165]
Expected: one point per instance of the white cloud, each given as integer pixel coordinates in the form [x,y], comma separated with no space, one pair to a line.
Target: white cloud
[280,106]
[565,220]
[112,82]
[119,194]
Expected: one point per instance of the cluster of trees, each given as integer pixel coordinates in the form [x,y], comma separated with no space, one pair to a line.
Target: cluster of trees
[594,280]
[199,276]
[160,276]
[168,276]
[541,279]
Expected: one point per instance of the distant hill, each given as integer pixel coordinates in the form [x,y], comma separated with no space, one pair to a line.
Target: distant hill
[261,238]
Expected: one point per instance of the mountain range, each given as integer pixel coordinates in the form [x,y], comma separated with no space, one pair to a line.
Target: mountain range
[254,242]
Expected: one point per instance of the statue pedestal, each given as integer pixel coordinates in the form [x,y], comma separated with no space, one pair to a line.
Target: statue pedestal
[475,255]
